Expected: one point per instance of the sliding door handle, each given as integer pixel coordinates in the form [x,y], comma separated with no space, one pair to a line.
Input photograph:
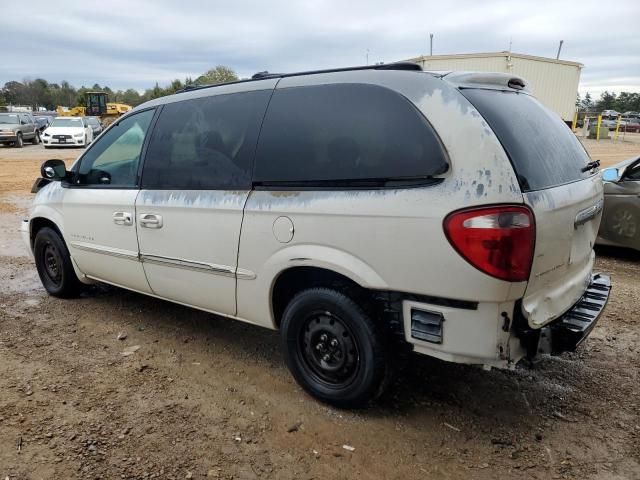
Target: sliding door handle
[150,220]
[122,218]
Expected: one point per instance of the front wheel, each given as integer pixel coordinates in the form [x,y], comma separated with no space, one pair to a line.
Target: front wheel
[334,349]
[53,263]
[36,138]
[19,141]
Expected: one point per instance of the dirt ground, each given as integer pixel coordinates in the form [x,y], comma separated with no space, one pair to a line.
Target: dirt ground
[189,395]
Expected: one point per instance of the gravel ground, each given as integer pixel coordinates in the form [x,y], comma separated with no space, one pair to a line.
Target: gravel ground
[120,385]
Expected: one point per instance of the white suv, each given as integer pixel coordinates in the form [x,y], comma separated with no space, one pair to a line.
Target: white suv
[359,211]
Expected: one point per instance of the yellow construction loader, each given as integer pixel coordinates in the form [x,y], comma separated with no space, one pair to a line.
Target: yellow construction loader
[96,105]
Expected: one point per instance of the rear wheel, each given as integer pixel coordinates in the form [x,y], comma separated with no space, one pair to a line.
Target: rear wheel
[624,222]
[36,138]
[334,349]
[53,263]
[19,141]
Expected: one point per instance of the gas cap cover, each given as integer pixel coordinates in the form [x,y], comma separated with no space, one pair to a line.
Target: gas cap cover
[283,229]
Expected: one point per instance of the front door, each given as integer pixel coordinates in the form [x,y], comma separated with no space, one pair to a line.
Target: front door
[195,182]
[99,206]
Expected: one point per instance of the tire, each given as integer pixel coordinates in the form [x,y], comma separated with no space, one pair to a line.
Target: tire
[36,138]
[333,348]
[46,147]
[54,265]
[19,143]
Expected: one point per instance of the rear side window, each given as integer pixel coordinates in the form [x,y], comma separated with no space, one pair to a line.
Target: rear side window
[205,143]
[339,133]
[543,151]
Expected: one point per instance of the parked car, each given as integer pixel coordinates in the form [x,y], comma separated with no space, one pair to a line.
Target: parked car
[16,127]
[621,218]
[95,125]
[631,124]
[42,122]
[329,205]
[610,114]
[67,132]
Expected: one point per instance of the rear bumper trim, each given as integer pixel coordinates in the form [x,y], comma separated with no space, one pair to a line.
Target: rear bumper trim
[572,328]
[568,331]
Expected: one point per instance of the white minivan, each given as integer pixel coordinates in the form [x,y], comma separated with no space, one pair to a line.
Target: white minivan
[361,212]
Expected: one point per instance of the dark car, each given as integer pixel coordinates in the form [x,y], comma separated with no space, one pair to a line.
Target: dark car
[620,224]
[42,122]
[95,125]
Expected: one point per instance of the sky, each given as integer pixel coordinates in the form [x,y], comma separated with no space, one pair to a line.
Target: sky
[134,43]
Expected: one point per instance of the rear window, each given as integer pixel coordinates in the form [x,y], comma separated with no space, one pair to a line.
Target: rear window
[340,134]
[543,150]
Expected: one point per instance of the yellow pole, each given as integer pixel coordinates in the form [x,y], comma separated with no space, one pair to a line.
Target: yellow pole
[598,127]
[575,121]
[615,137]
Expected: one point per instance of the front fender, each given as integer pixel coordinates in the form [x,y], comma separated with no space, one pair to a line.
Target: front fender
[46,212]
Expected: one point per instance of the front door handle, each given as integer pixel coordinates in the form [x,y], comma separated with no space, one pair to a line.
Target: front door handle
[122,218]
[150,220]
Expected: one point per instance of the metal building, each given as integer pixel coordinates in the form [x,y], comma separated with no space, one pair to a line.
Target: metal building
[553,82]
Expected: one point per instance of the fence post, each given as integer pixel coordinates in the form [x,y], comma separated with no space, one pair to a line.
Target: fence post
[615,136]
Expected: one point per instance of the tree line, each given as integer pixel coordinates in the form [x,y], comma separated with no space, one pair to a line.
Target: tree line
[620,102]
[40,93]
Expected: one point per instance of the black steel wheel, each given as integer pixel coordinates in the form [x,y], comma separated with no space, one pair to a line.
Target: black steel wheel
[54,264]
[333,348]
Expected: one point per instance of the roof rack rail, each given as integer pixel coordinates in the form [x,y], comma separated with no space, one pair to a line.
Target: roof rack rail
[382,66]
[410,66]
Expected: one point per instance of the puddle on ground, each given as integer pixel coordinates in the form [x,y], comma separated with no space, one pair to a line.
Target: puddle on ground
[20,277]
[11,244]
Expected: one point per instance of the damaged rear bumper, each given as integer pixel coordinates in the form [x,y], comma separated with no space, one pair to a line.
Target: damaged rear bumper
[566,333]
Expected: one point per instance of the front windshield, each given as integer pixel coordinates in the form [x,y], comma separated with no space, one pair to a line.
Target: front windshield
[67,122]
[9,118]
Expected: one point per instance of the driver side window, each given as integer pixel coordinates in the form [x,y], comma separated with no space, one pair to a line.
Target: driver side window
[114,159]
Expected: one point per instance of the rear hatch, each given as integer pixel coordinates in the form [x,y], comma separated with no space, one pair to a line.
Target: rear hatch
[565,197]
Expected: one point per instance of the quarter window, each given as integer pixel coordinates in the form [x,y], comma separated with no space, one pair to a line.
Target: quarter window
[340,134]
[114,158]
[205,143]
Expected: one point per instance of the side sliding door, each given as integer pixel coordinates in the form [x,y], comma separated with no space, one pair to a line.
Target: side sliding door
[195,182]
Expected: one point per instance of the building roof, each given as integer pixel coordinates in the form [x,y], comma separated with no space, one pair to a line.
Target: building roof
[494,54]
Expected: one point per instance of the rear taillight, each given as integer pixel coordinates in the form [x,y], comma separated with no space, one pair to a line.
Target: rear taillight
[498,241]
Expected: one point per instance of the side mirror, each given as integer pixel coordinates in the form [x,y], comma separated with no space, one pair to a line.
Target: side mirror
[53,170]
[610,175]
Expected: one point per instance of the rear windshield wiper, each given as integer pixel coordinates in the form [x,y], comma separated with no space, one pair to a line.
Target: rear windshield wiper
[590,166]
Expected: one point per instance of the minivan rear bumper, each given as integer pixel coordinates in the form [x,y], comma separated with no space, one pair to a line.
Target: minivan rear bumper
[566,333]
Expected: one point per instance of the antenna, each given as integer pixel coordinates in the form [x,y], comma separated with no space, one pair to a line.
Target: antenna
[559,48]
[510,43]
[431,44]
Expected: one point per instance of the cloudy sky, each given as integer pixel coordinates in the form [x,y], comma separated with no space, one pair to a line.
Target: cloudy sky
[135,43]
